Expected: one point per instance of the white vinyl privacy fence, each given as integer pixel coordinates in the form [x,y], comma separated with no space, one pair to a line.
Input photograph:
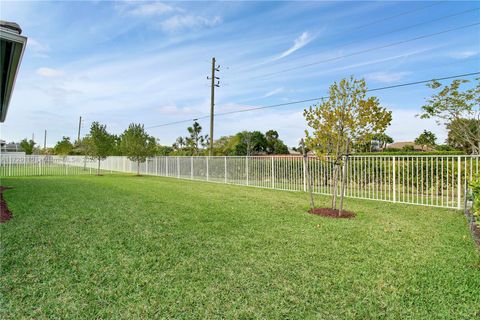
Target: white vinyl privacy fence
[424,180]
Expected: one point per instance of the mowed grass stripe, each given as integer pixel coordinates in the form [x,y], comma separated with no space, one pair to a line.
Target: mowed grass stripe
[121,246]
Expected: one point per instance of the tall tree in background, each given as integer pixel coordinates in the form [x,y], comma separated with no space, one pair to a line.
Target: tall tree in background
[27,146]
[63,147]
[274,144]
[347,117]
[225,145]
[196,141]
[426,139]
[179,143]
[457,142]
[457,110]
[99,143]
[380,140]
[250,143]
[137,145]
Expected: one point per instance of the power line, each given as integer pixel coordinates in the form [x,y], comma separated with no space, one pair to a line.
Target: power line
[390,32]
[366,50]
[411,26]
[315,99]
[395,16]
[356,28]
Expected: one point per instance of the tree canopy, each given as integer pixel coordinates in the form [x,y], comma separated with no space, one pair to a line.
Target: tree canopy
[456,141]
[426,139]
[27,146]
[347,115]
[457,110]
[250,143]
[63,147]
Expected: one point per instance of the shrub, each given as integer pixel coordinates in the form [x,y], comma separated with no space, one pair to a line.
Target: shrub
[475,185]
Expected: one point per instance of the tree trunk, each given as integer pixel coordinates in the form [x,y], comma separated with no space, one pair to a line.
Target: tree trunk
[335,186]
[98,169]
[138,167]
[342,191]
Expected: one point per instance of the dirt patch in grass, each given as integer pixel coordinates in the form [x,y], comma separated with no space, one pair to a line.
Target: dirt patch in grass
[5,214]
[331,213]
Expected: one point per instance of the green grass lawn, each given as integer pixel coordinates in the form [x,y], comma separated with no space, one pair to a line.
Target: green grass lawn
[120,246]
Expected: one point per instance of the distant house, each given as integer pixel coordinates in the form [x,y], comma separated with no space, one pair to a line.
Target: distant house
[293,152]
[404,144]
[10,147]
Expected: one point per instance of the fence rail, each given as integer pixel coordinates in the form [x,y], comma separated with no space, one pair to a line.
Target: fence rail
[415,179]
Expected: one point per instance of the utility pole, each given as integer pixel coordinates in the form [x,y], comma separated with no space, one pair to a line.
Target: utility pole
[79,127]
[212,100]
[45,140]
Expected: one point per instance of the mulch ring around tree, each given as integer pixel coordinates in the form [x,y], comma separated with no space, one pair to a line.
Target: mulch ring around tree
[5,214]
[331,213]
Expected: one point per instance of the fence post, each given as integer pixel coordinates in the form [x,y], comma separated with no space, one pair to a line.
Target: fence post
[459,183]
[166,166]
[394,180]
[178,167]
[273,174]
[156,165]
[207,167]
[305,174]
[225,169]
[246,167]
[191,168]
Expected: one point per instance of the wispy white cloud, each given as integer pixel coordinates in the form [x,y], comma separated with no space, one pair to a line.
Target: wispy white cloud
[181,22]
[141,8]
[304,39]
[49,72]
[386,77]
[464,54]
[273,92]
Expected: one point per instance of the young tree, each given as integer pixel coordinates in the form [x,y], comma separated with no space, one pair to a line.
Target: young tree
[426,139]
[196,140]
[456,109]
[99,143]
[63,147]
[347,117]
[137,145]
[27,146]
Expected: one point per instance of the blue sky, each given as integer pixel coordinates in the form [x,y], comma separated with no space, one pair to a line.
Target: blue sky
[119,62]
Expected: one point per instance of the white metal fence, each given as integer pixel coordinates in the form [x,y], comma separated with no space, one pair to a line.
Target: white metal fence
[416,179]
